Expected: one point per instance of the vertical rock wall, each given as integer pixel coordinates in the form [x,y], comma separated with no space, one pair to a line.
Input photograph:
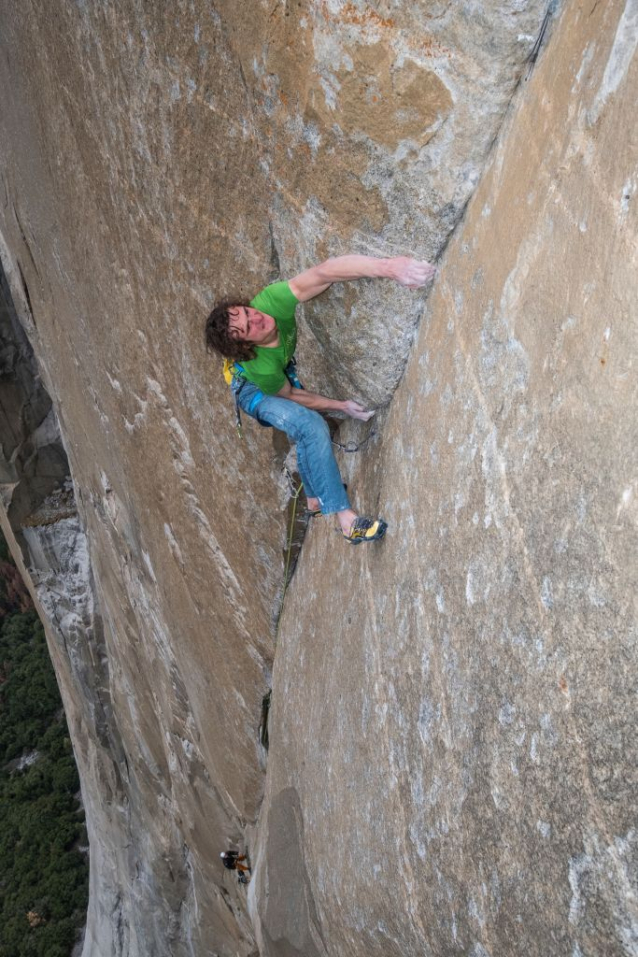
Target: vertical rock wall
[152,157]
[453,734]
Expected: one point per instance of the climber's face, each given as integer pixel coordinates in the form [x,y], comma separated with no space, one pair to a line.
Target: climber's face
[250,325]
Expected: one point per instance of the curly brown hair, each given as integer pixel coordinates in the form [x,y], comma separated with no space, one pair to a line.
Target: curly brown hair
[216,335]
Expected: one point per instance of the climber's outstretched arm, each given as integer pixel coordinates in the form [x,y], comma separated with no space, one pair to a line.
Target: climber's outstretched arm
[404,270]
[321,403]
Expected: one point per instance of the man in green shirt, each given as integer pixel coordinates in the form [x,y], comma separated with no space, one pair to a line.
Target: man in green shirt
[258,339]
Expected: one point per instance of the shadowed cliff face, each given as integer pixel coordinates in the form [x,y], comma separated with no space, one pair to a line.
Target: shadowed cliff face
[48,537]
[452,725]
[433,698]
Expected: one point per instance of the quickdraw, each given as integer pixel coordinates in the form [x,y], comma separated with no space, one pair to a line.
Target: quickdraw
[354,446]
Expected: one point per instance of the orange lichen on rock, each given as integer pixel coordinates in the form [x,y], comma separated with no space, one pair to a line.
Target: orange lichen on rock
[352,15]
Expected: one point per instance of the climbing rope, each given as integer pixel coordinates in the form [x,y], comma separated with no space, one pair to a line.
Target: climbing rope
[266,700]
[295,491]
[291,530]
[533,57]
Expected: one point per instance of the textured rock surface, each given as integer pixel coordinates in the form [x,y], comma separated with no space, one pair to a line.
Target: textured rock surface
[437,730]
[453,725]
[150,158]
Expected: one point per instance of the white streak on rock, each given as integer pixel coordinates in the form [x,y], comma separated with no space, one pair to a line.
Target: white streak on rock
[620,57]
[174,547]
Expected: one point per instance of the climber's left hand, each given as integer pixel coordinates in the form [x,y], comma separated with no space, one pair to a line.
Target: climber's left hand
[412,273]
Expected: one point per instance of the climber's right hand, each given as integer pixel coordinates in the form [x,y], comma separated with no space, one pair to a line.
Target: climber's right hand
[356,411]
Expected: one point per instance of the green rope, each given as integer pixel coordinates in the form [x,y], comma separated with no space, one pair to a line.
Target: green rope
[347,447]
[289,547]
[265,705]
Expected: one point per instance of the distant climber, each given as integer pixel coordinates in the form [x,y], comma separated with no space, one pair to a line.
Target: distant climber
[233,861]
[258,338]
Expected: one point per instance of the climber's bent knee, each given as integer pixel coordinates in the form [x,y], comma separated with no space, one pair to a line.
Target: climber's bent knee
[296,421]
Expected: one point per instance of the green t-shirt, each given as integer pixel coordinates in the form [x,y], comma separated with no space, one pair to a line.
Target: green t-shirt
[266,370]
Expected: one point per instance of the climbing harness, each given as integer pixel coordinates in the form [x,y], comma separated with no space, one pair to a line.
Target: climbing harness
[233,371]
[229,370]
[236,374]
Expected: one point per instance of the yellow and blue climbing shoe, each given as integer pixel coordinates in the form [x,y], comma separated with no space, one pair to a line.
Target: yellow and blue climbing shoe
[366,530]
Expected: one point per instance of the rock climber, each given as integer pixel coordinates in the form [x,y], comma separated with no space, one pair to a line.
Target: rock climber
[233,861]
[257,339]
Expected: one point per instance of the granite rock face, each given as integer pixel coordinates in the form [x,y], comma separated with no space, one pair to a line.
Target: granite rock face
[453,734]
[451,751]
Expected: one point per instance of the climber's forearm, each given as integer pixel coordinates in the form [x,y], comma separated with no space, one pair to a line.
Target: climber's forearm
[321,403]
[310,400]
[344,268]
[403,269]
[316,280]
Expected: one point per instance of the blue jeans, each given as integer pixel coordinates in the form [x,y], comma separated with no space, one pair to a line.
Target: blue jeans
[315,459]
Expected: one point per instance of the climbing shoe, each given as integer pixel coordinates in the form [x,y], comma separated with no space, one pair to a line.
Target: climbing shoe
[366,530]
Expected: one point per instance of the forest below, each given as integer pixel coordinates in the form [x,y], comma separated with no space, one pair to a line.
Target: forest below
[43,841]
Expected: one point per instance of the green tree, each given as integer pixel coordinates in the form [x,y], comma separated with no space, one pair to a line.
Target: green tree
[43,875]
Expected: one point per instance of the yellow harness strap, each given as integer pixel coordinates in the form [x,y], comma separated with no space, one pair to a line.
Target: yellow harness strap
[229,370]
